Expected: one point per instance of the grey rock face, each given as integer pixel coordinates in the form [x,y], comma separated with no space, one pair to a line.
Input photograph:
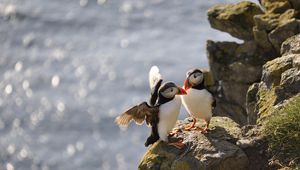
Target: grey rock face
[214,150]
[280,81]
[291,46]
[282,32]
[236,19]
[237,66]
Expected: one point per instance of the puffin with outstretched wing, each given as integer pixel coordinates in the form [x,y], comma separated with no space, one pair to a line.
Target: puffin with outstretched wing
[161,114]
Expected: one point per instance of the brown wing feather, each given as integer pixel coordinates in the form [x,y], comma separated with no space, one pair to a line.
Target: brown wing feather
[138,113]
[126,117]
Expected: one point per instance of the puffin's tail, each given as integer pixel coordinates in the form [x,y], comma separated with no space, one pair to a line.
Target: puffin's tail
[154,76]
[153,137]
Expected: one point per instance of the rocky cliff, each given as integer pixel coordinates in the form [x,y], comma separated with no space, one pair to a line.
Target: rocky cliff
[280,81]
[257,85]
[237,66]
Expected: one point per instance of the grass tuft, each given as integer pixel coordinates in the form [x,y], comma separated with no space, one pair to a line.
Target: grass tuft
[283,132]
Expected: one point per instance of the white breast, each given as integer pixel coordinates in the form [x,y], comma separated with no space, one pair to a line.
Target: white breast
[198,103]
[168,114]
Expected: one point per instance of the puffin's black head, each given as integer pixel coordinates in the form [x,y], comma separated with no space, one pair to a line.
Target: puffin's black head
[168,91]
[194,79]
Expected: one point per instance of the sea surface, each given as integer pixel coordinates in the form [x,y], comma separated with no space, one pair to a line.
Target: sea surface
[69,67]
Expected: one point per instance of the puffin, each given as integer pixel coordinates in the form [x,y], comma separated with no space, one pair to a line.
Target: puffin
[161,113]
[199,101]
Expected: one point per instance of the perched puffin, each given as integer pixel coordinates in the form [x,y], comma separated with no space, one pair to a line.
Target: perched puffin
[161,114]
[199,102]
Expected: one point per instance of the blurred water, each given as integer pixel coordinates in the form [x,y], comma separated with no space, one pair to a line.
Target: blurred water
[68,67]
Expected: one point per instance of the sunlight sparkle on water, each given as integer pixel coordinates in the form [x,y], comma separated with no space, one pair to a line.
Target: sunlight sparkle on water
[8,89]
[124,43]
[126,7]
[28,40]
[11,149]
[55,81]
[23,154]
[10,10]
[101,2]
[25,84]
[18,66]
[58,54]
[9,166]
[60,106]
[71,150]
[83,3]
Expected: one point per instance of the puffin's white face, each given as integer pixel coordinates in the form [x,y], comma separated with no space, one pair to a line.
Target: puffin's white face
[196,78]
[170,92]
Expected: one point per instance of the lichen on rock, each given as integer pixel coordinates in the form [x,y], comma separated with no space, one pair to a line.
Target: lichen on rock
[214,150]
[282,32]
[291,46]
[280,81]
[238,66]
[236,19]
[235,66]
[276,6]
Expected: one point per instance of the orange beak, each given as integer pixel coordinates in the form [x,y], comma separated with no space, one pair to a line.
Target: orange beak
[186,85]
[181,91]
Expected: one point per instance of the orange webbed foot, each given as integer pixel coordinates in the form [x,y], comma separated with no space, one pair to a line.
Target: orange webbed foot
[174,131]
[178,144]
[191,126]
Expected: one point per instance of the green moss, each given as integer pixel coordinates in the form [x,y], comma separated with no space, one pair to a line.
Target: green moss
[283,132]
[265,103]
[276,67]
[236,19]
[181,165]
[224,128]
[209,79]
[276,6]
[200,150]
[157,157]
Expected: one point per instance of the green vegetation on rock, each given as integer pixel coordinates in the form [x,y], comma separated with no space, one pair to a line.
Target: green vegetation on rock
[276,6]
[213,150]
[283,131]
[236,19]
[265,103]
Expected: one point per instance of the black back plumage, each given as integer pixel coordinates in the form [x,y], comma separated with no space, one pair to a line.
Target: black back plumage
[156,100]
[154,136]
[154,93]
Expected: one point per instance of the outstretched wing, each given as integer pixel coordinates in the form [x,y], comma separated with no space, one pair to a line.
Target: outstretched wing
[155,81]
[139,113]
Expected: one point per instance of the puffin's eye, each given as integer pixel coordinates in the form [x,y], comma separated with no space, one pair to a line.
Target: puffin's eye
[169,93]
[196,78]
